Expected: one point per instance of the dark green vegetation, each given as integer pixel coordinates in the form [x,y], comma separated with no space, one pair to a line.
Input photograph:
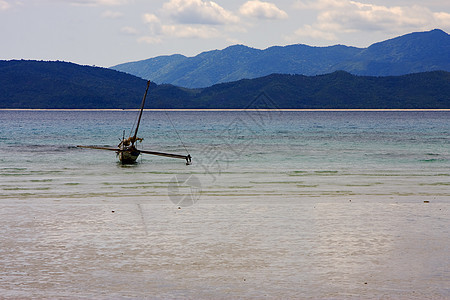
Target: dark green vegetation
[411,53]
[39,84]
[32,84]
[336,90]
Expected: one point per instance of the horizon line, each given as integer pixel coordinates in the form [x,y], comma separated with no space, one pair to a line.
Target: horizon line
[227,109]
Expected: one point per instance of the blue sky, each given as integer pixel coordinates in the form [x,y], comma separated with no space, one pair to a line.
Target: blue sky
[109,32]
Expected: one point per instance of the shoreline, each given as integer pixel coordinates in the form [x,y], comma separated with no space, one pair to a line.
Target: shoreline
[232,109]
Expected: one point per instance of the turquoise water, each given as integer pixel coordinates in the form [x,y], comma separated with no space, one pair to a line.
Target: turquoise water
[291,154]
[322,205]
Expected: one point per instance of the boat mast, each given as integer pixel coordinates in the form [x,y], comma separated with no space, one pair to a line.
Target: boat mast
[140,114]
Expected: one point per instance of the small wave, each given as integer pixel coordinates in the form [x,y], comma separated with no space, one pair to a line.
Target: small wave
[43,148]
[26,189]
[41,180]
[432,160]
[274,182]
[307,185]
[297,173]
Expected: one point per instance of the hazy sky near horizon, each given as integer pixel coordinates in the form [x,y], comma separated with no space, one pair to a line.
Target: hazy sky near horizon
[109,32]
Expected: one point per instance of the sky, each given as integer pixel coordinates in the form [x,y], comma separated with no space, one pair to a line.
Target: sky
[109,32]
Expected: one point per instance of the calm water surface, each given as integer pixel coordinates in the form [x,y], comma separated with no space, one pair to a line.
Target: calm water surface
[332,205]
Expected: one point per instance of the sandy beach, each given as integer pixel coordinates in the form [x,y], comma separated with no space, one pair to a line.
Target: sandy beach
[291,205]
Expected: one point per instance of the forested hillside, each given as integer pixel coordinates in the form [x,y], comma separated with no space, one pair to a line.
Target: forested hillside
[38,84]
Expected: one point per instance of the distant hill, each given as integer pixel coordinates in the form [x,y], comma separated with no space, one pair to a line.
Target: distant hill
[411,53]
[336,90]
[38,84]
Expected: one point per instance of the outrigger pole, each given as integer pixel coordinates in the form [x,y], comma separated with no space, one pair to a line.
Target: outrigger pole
[186,157]
[128,153]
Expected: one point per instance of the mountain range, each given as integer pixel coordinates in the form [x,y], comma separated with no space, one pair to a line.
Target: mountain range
[50,85]
[410,53]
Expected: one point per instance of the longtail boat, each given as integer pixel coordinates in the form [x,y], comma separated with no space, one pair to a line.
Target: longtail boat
[127,151]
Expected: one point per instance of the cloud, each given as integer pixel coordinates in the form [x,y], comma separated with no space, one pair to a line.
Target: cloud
[159,32]
[99,2]
[129,30]
[112,14]
[4,5]
[150,18]
[183,31]
[189,19]
[346,16]
[319,4]
[262,10]
[149,40]
[198,12]
[311,32]
[443,19]
[153,23]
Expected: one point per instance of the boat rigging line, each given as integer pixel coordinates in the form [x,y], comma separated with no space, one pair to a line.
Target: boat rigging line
[176,131]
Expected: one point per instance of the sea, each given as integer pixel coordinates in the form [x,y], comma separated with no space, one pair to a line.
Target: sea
[277,204]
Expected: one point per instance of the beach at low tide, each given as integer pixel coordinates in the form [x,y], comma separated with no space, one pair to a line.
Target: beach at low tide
[319,205]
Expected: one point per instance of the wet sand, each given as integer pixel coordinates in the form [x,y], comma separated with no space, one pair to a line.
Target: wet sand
[224,248]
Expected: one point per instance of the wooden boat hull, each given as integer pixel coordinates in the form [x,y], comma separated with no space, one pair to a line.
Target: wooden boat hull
[128,157]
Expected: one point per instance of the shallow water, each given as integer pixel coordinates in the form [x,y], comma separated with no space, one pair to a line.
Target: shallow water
[277,204]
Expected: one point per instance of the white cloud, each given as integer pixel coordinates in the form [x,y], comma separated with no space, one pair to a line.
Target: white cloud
[109,14]
[346,16]
[179,31]
[262,10]
[184,31]
[150,18]
[198,12]
[129,30]
[192,19]
[188,19]
[149,40]
[320,4]
[443,19]
[99,2]
[4,5]
[153,24]
[314,33]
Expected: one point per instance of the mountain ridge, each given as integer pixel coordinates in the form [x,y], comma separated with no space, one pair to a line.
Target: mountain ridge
[410,53]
